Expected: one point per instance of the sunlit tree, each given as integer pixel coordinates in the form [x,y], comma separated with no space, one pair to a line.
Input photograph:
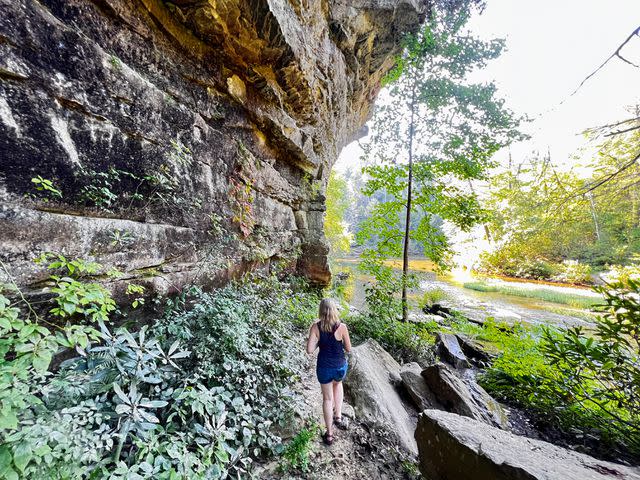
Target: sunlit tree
[436,132]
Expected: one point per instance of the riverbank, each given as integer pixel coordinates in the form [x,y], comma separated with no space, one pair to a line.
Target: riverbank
[449,287]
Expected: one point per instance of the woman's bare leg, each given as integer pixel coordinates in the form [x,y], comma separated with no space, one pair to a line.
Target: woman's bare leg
[327,406]
[338,396]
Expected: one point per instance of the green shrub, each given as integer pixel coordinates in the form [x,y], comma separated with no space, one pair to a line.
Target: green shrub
[406,341]
[585,383]
[511,262]
[295,456]
[431,296]
[572,271]
[197,395]
[620,273]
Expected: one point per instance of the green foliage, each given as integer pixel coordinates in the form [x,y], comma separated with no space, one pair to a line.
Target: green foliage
[601,370]
[381,295]
[431,296]
[122,238]
[27,349]
[101,188]
[406,341]
[115,62]
[46,186]
[136,291]
[511,261]
[583,382]
[180,154]
[74,297]
[295,456]
[215,229]
[337,203]
[572,271]
[464,124]
[623,273]
[544,213]
[197,395]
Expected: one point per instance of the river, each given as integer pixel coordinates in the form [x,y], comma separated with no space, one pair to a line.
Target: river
[482,304]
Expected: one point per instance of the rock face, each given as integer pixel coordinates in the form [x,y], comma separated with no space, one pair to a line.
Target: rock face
[459,448]
[370,386]
[185,140]
[463,397]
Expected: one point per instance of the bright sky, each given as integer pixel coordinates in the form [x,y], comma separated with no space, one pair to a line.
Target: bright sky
[552,45]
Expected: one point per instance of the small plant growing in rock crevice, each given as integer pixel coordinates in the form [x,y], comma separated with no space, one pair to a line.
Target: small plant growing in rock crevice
[242,197]
[47,188]
[180,154]
[122,238]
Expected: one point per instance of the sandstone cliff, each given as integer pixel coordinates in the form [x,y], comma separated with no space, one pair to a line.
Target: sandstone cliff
[185,140]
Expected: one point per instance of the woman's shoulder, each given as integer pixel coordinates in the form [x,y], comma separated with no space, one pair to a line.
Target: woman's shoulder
[342,326]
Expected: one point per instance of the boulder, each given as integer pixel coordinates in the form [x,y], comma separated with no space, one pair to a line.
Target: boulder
[475,352]
[438,309]
[449,350]
[416,387]
[370,388]
[453,447]
[464,397]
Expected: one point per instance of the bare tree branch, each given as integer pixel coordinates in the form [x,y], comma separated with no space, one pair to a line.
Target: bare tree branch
[613,55]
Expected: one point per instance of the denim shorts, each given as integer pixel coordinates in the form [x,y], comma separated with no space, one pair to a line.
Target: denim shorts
[331,374]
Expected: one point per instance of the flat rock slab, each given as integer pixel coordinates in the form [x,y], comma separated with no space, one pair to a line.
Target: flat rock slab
[453,447]
[370,386]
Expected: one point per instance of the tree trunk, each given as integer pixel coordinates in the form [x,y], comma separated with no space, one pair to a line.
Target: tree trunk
[407,227]
[594,214]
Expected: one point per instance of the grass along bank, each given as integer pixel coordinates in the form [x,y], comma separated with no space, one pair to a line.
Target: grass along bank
[547,294]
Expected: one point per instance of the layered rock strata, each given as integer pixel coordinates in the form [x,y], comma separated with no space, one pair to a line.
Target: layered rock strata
[182,141]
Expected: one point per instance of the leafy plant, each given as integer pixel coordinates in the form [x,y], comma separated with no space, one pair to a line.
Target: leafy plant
[295,456]
[180,153]
[601,371]
[432,296]
[122,238]
[115,62]
[73,295]
[134,289]
[47,186]
[27,349]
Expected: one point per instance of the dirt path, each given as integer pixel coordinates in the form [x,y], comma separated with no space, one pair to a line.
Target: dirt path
[361,452]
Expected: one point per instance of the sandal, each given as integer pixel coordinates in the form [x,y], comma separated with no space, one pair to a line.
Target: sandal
[327,439]
[341,423]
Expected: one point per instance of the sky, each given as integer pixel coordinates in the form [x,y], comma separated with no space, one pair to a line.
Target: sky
[551,46]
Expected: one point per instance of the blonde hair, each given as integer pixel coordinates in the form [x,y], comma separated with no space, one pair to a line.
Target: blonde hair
[328,314]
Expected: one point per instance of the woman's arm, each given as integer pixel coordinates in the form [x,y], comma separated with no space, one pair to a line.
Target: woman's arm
[346,341]
[312,341]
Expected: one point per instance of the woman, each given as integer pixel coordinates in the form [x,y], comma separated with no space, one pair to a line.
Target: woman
[332,337]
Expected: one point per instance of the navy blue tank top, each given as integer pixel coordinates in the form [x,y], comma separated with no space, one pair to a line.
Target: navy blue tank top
[331,350]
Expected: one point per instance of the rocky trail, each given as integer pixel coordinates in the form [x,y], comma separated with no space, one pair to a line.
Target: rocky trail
[462,432]
[363,451]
